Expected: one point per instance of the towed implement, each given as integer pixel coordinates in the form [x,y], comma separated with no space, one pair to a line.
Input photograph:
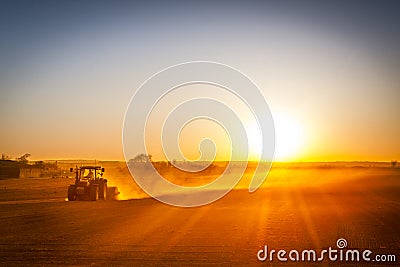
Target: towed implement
[90,185]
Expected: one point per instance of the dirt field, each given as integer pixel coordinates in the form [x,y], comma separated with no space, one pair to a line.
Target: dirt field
[297,208]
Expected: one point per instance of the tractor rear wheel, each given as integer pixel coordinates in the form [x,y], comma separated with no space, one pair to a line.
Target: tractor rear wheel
[94,192]
[71,193]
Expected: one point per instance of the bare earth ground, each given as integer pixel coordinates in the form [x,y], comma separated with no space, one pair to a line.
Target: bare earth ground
[296,209]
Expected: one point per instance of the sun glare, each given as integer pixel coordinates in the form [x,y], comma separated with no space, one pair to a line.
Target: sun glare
[289,138]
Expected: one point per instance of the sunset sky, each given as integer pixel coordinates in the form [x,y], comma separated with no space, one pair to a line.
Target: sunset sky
[330,72]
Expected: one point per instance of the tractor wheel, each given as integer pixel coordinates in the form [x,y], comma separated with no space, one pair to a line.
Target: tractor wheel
[103,190]
[71,193]
[93,192]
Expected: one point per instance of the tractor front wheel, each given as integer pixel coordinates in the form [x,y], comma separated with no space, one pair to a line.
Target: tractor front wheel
[72,193]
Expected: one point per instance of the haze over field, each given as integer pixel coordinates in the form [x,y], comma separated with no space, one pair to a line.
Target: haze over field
[306,206]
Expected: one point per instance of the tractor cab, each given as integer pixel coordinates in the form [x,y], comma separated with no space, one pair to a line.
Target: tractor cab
[89,172]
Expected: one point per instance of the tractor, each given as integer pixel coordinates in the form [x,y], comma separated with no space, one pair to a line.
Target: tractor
[90,185]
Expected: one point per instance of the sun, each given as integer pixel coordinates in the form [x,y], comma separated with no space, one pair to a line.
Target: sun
[289,138]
